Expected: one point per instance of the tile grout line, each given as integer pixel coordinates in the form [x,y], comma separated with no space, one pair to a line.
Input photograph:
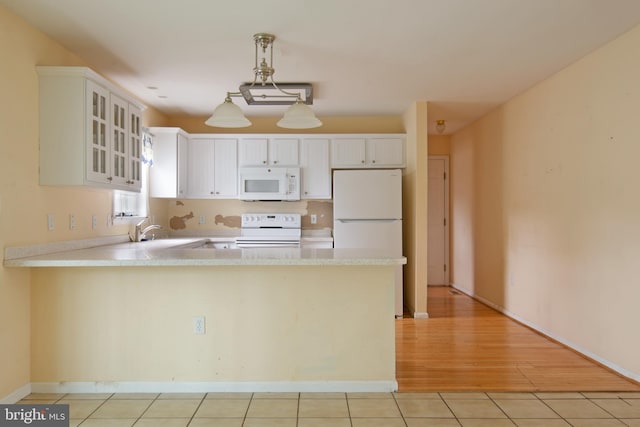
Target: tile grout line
[94,411]
[197,408]
[346,397]
[298,410]
[399,410]
[146,409]
[614,417]
[449,408]
[246,412]
[500,408]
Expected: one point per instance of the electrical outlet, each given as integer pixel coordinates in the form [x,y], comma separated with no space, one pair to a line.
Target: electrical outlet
[202,219]
[94,222]
[51,223]
[199,325]
[72,222]
[314,219]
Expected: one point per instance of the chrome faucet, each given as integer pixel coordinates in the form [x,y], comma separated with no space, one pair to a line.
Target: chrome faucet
[140,233]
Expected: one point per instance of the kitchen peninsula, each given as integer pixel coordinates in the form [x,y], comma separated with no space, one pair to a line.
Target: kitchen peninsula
[120,317]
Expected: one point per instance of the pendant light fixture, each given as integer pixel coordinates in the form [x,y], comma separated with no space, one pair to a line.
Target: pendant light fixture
[441,125]
[264,91]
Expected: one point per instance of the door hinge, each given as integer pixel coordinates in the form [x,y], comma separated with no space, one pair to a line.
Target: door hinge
[445,175]
[445,267]
[445,222]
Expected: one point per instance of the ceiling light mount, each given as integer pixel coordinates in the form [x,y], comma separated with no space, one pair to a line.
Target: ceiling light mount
[264,91]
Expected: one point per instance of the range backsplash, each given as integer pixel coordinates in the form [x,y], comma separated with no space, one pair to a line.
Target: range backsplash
[223,216]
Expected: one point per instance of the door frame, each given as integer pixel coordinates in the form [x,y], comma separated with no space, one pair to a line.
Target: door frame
[447,216]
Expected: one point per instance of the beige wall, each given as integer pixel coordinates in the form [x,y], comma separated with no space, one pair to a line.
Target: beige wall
[350,124]
[24,204]
[546,208]
[439,145]
[414,209]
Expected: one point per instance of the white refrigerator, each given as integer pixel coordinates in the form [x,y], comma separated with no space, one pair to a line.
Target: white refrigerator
[367,213]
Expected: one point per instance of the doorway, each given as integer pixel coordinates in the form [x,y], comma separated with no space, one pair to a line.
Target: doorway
[438,221]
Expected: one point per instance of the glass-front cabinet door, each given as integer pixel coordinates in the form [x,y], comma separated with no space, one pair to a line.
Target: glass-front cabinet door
[119,140]
[135,147]
[98,149]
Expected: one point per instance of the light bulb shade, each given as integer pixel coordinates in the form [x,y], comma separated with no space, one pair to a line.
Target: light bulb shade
[440,126]
[228,115]
[299,116]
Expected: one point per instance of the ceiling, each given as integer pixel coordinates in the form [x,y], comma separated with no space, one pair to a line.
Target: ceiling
[364,57]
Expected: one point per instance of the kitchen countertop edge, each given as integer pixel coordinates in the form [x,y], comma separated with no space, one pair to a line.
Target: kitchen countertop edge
[168,253]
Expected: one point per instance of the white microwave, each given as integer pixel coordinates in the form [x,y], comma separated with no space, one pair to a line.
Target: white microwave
[269,183]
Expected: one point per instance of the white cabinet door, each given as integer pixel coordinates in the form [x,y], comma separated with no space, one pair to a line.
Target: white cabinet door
[168,176]
[348,152]
[368,152]
[201,176]
[385,152]
[225,168]
[182,184]
[253,152]
[126,144]
[284,151]
[315,169]
[269,151]
[212,168]
[98,132]
[135,148]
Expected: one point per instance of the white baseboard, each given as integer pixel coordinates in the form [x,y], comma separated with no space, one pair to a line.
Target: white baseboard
[420,315]
[17,395]
[212,387]
[563,341]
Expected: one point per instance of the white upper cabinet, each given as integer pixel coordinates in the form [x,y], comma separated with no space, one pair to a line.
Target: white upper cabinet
[284,151]
[385,152]
[269,151]
[368,152]
[212,166]
[168,176]
[348,152]
[90,131]
[253,152]
[315,169]
[213,159]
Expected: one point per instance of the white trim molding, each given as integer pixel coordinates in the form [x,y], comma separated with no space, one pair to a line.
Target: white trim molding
[16,395]
[213,387]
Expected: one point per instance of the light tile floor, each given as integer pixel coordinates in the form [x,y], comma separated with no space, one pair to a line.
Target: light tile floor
[349,409]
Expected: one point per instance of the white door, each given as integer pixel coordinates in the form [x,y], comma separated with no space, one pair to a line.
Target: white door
[438,222]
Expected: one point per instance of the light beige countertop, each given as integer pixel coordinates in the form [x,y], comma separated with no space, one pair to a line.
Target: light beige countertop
[188,252]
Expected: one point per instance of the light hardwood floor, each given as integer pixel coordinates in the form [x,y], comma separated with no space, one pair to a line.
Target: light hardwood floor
[467,346]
